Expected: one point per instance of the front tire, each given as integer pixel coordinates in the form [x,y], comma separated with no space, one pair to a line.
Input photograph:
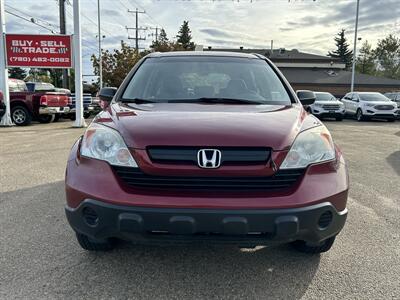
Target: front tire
[20,116]
[325,245]
[359,115]
[46,118]
[91,245]
[391,120]
[339,119]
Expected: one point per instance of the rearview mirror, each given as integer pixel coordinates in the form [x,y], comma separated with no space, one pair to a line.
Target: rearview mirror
[306,97]
[107,93]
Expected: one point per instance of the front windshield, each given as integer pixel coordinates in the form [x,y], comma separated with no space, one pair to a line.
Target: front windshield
[195,78]
[324,97]
[373,97]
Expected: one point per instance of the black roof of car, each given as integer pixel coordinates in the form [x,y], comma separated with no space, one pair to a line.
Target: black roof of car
[201,53]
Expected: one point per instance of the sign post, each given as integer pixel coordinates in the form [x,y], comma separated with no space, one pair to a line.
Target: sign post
[80,121]
[6,119]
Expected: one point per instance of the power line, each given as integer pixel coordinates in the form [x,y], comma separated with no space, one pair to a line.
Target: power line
[147,14]
[91,45]
[32,21]
[32,17]
[245,1]
[302,2]
[122,3]
[93,22]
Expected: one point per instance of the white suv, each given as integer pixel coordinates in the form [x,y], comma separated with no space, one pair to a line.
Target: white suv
[368,105]
[327,106]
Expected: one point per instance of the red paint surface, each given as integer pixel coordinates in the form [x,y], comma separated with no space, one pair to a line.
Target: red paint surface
[184,124]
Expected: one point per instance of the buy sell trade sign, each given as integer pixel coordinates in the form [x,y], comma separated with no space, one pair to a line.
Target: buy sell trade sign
[38,51]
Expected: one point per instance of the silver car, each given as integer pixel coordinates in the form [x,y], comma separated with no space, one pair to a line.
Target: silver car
[327,106]
[368,105]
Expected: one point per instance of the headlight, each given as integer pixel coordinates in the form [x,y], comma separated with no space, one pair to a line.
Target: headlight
[369,104]
[311,146]
[318,104]
[106,144]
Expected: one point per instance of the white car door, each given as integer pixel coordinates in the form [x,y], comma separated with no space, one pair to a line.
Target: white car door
[345,100]
[355,100]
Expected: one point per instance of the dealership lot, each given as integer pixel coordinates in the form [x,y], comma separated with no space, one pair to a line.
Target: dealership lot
[40,257]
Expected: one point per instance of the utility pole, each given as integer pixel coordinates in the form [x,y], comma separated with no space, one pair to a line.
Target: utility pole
[353,69]
[63,31]
[137,28]
[100,54]
[6,119]
[156,34]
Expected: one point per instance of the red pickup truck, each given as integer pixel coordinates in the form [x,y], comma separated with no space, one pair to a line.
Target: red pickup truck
[39,105]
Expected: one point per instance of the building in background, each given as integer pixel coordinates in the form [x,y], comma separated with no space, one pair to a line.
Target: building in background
[306,71]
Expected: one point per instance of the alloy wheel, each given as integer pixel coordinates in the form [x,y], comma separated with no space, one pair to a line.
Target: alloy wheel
[359,115]
[19,116]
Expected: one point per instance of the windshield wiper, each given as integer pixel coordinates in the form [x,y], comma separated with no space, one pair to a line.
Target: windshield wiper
[137,100]
[218,100]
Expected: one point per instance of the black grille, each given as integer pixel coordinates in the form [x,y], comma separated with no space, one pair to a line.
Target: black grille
[136,178]
[331,106]
[384,107]
[229,155]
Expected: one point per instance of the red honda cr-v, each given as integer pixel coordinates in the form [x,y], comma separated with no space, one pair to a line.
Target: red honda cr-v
[209,147]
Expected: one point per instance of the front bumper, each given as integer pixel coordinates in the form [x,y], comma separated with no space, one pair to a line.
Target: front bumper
[100,220]
[254,218]
[49,110]
[86,108]
[330,115]
[321,112]
[374,113]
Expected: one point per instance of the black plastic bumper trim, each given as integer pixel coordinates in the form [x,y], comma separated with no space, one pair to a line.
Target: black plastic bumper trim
[170,225]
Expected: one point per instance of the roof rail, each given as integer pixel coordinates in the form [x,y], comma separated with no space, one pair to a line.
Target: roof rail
[258,55]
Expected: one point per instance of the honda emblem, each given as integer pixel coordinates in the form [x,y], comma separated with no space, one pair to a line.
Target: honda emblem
[209,158]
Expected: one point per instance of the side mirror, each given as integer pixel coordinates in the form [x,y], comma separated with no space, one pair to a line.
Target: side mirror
[306,97]
[105,95]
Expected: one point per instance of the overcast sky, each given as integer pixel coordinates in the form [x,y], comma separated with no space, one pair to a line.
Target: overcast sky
[306,25]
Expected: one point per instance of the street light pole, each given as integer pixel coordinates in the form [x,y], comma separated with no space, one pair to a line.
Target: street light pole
[100,54]
[353,69]
[6,119]
[79,121]
[63,30]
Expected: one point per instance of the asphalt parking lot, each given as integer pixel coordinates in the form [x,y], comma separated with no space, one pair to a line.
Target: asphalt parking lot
[40,258]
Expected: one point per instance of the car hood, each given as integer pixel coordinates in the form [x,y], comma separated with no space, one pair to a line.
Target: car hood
[207,125]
